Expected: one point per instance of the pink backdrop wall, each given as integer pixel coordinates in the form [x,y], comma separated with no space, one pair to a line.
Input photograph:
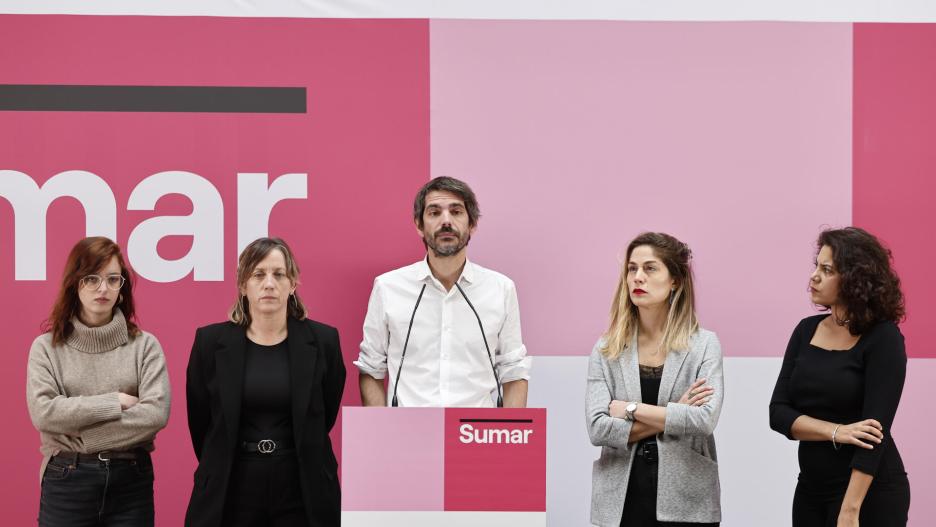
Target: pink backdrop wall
[734,137]
[895,79]
[744,139]
[363,144]
[895,122]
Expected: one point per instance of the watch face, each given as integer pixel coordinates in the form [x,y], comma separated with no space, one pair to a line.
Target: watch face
[631,407]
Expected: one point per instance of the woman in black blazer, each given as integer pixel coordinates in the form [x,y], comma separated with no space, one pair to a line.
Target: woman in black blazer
[263,391]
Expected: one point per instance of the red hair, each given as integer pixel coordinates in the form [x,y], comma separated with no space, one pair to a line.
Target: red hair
[88,256]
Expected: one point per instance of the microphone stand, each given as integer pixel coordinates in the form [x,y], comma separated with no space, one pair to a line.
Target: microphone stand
[500,396]
[393,402]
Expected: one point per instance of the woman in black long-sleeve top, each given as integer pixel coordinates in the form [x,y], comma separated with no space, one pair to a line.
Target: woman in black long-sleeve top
[263,391]
[839,388]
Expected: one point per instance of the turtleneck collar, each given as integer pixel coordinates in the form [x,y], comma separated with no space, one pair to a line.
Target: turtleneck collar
[99,339]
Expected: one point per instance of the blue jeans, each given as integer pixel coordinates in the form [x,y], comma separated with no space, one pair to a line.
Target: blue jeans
[116,493]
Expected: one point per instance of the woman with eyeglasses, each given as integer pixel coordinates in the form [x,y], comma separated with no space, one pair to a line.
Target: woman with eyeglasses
[263,391]
[98,392]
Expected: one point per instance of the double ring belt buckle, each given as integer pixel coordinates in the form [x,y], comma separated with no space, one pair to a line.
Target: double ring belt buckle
[102,456]
[266,446]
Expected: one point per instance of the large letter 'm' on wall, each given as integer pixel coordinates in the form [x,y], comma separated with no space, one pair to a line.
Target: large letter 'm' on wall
[30,204]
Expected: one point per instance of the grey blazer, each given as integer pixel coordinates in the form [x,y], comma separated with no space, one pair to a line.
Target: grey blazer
[688,489]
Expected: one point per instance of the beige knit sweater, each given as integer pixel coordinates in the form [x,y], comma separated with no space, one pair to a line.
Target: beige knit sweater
[71,389]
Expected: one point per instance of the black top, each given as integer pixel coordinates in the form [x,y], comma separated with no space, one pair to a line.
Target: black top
[650,377]
[266,402]
[214,385]
[844,387]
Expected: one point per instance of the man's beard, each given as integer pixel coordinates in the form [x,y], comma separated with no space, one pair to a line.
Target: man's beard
[448,249]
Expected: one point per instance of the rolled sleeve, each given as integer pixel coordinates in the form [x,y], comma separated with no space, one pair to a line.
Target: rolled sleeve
[511,355]
[372,360]
[603,430]
[687,420]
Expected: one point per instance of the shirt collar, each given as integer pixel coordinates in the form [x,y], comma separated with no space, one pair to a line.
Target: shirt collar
[423,272]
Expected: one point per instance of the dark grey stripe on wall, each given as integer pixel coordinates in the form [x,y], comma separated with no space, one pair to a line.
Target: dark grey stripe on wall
[214,99]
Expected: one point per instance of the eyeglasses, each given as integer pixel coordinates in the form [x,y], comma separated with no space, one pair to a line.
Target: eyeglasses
[93,281]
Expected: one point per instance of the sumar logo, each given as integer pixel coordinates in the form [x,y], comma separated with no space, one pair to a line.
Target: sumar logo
[470,434]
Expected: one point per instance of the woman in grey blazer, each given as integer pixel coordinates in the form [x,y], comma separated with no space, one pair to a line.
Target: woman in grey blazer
[658,465]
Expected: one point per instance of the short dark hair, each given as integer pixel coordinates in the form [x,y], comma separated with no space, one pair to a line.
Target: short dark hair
[869,287]
[447,184]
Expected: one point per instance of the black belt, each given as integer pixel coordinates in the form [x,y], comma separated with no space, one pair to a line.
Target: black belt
[648,451]
[267,446]
[72,458]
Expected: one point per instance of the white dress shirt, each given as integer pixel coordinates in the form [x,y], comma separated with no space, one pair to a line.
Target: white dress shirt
[446,363]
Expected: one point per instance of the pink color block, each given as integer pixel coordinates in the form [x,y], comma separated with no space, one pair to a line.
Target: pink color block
[895,79]
[577,136]
[895,121]
[498,473]
[393,459]
[363,144]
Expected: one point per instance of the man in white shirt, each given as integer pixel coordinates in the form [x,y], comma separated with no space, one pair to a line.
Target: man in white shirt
[426,308]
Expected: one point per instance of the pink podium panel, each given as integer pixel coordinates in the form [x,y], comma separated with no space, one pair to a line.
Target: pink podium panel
[394,459]
[495,459]
[458,466]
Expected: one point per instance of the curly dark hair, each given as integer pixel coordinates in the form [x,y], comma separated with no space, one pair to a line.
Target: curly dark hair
[869,288]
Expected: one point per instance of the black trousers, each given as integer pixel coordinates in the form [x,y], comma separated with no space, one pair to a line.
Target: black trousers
[116,493]
[264,491]
[641,500]
[886,504]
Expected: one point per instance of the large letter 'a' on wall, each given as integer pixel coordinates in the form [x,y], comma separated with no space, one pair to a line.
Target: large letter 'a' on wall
[205,225]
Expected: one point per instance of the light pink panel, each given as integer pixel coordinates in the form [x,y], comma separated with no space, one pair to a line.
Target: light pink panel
[734,137]
[393,459]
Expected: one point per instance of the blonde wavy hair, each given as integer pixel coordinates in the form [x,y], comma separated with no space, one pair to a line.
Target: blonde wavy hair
[681,321]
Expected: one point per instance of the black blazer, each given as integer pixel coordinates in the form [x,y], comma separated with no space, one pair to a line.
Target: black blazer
[213,386]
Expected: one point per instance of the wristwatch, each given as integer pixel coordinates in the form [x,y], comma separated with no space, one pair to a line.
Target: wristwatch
[629,411]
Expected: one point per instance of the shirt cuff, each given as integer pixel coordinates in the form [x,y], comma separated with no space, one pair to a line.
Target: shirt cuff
[515,370]
[375,372]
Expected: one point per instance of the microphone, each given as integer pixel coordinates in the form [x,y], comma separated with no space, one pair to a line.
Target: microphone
[393,402]
[500,396]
